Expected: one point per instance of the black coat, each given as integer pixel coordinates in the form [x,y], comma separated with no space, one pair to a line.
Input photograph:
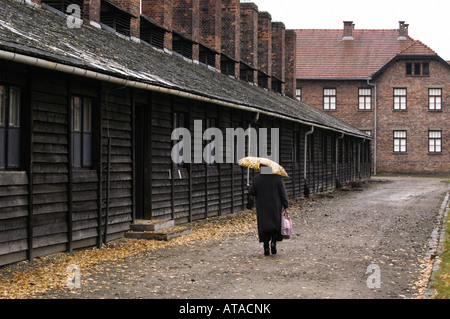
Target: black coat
[270,198]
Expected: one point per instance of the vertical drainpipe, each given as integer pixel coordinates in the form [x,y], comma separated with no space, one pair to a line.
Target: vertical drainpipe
[249,145]
[338,182]
[374,127]
[359,157]
[306,191]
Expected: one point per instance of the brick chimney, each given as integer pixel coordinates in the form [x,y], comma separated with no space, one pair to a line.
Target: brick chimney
[348,30]
[211,26]
[231,25]
[402,30]
[278,53]
[186,20]
[291,54]
[249,34]
[265,42]
[161,12]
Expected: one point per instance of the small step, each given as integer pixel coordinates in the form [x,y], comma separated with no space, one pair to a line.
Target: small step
[165,234]
[152,225]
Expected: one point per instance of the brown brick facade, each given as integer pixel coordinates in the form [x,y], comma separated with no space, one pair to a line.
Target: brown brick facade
[417,120]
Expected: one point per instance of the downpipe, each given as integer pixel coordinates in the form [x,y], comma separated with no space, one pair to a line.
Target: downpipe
[306,189]
[338,182]
[374,127]
[249,144]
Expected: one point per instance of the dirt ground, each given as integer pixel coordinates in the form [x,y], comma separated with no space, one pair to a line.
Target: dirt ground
[386,223]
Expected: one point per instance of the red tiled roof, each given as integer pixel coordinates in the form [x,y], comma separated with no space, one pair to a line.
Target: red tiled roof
[323,54]
[417,48]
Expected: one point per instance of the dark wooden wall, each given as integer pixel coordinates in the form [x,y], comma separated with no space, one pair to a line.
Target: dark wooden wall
[49,207]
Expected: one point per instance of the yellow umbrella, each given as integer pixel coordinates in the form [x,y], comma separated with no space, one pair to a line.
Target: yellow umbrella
[256,162]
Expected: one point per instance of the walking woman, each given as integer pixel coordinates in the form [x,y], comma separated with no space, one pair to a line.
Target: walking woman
[270,198]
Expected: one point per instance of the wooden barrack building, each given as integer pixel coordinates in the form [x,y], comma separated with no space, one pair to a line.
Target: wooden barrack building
[85,136]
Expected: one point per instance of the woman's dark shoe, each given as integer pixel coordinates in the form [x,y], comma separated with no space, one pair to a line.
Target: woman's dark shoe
[273,247]
[266,249]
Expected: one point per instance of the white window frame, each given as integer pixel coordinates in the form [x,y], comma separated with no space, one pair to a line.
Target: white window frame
[400,141]
[400,99]
[298,94]
[329,99]
[364,99]
[434,141]
[435,99]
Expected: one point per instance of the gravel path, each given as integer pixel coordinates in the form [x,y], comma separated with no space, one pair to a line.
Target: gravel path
[385,223]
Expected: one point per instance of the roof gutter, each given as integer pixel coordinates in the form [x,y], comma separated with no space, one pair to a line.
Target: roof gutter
[38,62]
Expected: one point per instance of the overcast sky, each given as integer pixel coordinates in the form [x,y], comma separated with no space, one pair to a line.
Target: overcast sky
[429,21]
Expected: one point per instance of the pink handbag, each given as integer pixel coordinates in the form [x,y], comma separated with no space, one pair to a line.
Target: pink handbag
[286,225]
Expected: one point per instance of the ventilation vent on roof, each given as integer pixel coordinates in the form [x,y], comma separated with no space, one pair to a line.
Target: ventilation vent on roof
[61,5]
[182,46]
[152,34]
[246,73]
[276,85]
[227,66]
[263,80]
[115,18]
[207,56]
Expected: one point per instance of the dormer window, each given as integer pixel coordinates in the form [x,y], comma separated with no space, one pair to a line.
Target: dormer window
[114,18]
[418,68]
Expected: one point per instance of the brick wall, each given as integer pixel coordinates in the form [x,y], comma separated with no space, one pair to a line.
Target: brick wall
[417,120]
[347,100]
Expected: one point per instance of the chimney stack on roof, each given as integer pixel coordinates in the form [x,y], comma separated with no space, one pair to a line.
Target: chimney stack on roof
[348,30]
[402,30]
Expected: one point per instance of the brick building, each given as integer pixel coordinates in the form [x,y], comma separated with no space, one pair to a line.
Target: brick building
[385,83]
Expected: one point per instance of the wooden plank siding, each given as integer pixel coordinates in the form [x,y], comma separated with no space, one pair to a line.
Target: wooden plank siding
[117,126]
[48,206]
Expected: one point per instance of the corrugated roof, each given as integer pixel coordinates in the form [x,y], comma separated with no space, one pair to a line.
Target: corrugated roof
[323,54]
[39,33]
